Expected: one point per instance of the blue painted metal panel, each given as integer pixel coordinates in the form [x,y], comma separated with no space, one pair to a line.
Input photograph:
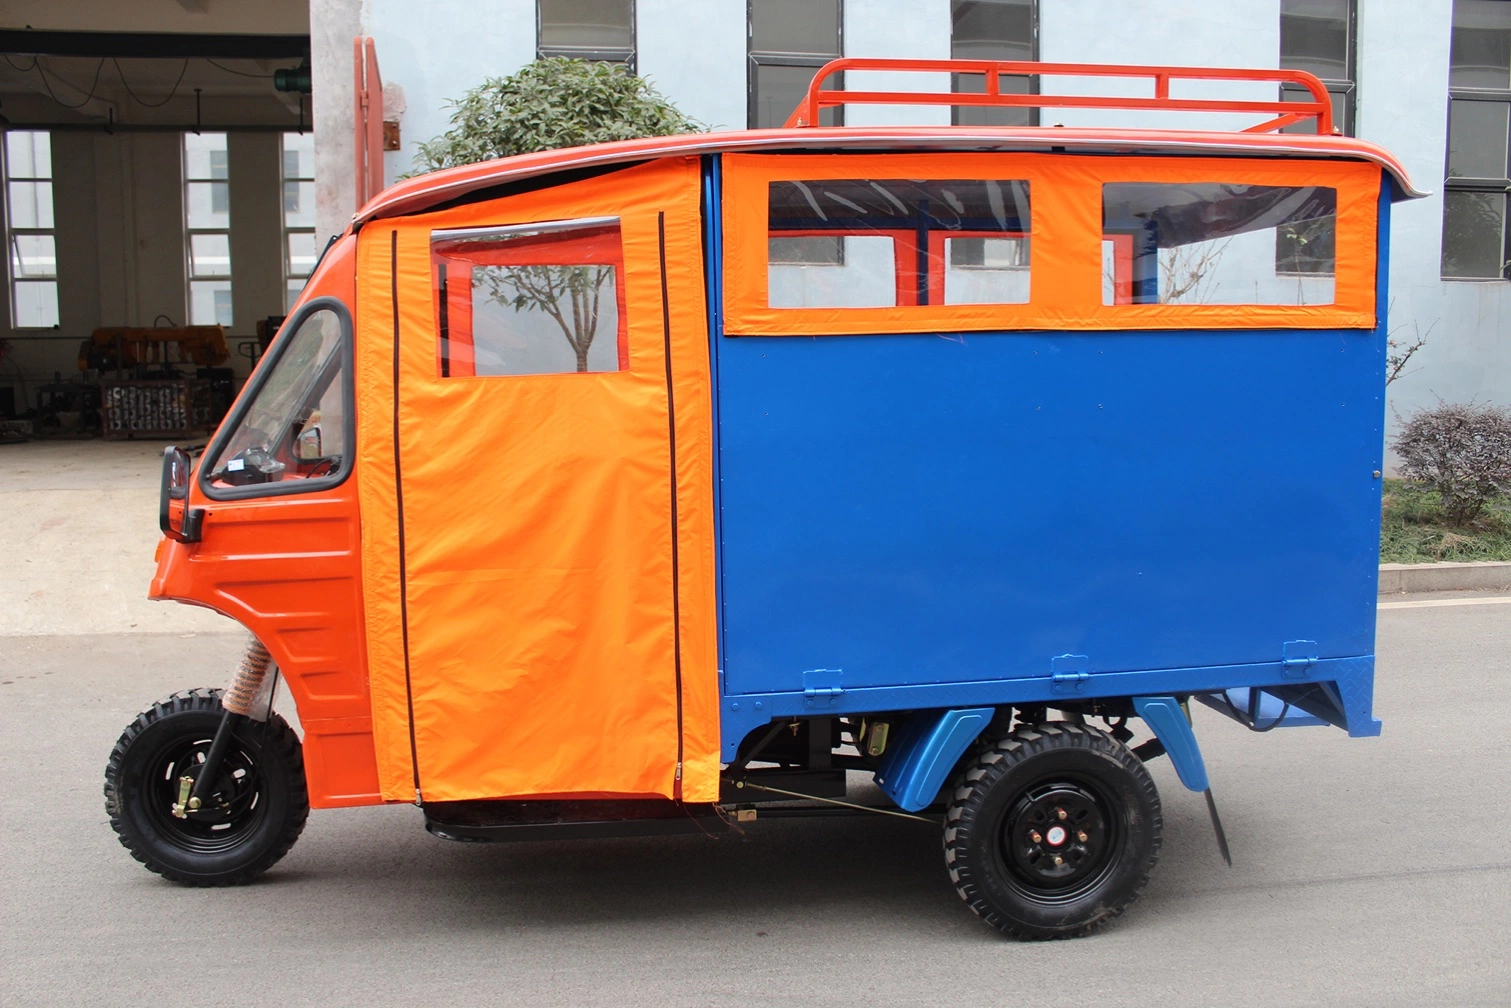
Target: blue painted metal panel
[921,509]
[916,764]
[1168,721]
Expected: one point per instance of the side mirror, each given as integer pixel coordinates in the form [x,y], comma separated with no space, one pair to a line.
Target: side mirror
[180,522]
[307,444]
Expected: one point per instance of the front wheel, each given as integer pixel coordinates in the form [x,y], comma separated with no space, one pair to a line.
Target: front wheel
[1052,830]
[254,812]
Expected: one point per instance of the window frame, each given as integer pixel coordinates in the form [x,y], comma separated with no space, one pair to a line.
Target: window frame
[757,58]
[1066,278]
[189,232]
[291,298]
[445,360]
[628,58]
[1034,112]
[1496,186]
[265,367]
[13,278]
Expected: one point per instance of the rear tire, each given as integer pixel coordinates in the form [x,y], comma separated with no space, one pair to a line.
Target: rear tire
[1052,831]
[252,817]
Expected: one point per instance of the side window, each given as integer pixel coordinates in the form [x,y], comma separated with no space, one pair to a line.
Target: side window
[295,427]
[1215,243]
[872,243]
[530,299]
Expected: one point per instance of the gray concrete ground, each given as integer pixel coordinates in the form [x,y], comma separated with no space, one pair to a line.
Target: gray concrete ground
[1367,871]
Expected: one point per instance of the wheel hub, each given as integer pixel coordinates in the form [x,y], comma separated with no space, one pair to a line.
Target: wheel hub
[1057,838]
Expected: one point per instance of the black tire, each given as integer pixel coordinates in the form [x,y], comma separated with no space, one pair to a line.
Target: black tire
[1106,842]
[255,814]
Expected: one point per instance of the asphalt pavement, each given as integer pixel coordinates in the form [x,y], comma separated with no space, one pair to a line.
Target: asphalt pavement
[1366,872]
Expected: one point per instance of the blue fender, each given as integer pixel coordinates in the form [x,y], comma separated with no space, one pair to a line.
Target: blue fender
[914,767]
[1168,721]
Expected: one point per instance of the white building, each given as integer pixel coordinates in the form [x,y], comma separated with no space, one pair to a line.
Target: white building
[130,237]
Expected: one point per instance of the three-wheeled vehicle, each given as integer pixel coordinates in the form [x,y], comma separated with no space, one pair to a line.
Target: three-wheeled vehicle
[666,484]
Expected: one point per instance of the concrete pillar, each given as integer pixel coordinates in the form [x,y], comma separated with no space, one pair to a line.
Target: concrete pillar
[333,25]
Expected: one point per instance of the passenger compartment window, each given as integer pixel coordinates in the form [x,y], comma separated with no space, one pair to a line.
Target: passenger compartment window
[874,243]
[295,426]
[1216,243]
[530,299]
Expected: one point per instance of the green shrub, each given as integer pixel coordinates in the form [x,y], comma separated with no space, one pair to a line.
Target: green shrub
[1463,452]
[556,102]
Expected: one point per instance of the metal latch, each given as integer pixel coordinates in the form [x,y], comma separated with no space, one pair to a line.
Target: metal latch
[822,686]
[1067,682]
[1298,656]
[1067,673]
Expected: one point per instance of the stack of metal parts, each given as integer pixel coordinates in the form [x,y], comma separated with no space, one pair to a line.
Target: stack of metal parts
[172,386]
[161,408]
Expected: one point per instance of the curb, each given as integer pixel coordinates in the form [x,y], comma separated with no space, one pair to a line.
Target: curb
[1488,575]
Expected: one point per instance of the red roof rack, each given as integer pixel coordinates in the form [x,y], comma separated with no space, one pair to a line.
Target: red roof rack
[1319,108]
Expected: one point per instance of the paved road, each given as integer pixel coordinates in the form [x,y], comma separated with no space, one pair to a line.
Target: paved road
[1368,872]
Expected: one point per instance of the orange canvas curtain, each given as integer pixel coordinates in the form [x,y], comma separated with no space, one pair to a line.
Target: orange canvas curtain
[1066,236]
[519,531]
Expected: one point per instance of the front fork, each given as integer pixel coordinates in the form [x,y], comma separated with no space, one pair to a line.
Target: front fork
[239,702]
[192,791]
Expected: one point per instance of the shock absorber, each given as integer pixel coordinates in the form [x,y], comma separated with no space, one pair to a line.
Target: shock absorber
[238,700]
[247,680]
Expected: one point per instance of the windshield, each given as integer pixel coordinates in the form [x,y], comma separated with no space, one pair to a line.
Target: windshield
[294,427]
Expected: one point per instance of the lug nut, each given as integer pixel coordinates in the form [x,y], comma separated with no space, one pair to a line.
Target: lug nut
[1061,813]
[1081,837]
[1036,838]
[1059,861]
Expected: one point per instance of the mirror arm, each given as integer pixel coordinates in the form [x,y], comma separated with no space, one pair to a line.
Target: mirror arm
[193,517]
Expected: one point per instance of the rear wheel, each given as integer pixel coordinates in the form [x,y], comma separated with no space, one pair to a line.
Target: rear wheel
[1052,830]
[254,811]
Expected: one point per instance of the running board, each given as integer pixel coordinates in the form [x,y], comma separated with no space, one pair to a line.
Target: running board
[498,821]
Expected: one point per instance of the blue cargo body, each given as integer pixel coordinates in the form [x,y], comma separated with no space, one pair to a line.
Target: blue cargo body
[944,520]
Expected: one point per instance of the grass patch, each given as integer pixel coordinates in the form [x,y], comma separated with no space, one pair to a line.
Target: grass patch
[1412,529]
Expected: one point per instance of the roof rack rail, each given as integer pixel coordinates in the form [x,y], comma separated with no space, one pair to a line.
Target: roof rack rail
[1319,108]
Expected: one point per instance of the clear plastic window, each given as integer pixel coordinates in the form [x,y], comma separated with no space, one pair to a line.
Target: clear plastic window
[530,299]
[295,426]
[871,243]
[1217,243]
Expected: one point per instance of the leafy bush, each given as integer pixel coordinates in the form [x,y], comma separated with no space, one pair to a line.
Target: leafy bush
[1461,451]
[556,102]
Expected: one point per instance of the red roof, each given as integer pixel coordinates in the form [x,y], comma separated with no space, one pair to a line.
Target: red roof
[425,191]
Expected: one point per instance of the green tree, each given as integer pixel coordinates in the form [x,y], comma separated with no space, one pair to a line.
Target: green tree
[552,103]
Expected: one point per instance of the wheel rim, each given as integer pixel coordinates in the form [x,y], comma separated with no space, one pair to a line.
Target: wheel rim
[234,807]
[1059,840]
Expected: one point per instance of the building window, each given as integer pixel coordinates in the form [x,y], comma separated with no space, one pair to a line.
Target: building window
[29,230]
[207,226]
[788,41]
[1479,98]
[299,252]
[599,30]
[994,30]
[1316,36]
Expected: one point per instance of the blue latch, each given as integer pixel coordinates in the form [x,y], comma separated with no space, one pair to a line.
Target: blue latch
[822,687]
[1298,656]
[1067,673]
[1067,682]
